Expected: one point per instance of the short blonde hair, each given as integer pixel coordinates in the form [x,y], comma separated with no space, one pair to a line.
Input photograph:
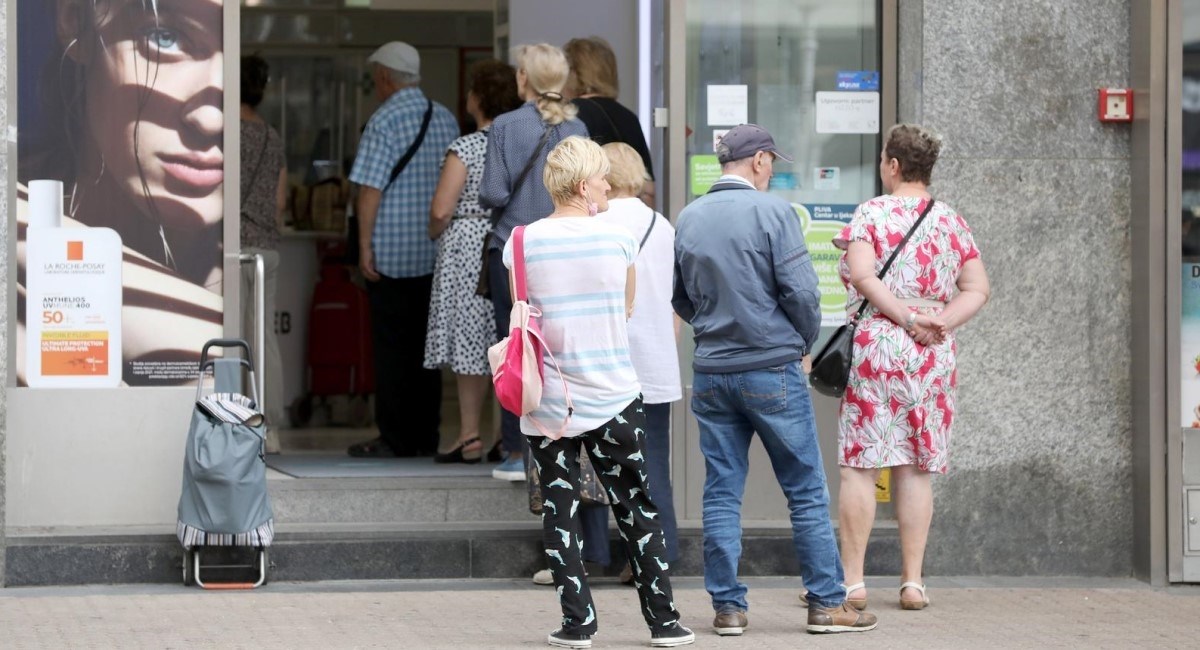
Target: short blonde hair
[546,72]
[593,67]
[627,173]
[575,159]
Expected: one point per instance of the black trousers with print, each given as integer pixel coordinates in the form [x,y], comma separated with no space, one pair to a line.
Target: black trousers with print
[616,450]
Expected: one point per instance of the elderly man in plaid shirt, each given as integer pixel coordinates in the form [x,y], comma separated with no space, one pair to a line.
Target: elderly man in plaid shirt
[409,134]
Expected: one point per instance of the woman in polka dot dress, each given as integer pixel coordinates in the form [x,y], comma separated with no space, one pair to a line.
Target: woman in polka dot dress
[461,324]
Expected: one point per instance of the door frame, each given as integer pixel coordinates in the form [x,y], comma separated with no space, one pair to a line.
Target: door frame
[675,183]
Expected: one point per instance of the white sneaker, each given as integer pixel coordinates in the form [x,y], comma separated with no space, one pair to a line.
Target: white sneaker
[543,577]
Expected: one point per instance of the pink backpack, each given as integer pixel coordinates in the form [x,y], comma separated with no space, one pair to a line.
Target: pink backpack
[517,366]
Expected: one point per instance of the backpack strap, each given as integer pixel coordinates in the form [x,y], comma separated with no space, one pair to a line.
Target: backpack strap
[518,235]
[518,239]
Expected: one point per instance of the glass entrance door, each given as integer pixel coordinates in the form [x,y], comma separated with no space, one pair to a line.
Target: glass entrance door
[812,73]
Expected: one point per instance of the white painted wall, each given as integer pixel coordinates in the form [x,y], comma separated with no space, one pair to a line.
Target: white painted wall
[558,21]
[95,457]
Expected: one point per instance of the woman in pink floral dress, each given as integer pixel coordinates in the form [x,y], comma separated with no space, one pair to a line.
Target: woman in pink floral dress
[900,401]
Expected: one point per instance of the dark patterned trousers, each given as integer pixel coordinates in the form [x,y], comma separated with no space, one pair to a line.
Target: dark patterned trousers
[616,450]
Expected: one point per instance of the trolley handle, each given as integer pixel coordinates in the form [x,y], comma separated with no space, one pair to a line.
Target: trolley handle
[209,363]
[225,344]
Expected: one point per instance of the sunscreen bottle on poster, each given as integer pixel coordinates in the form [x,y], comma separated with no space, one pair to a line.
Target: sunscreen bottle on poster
[73,298]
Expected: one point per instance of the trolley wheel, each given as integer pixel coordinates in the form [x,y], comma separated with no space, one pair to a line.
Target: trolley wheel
[189,567]
[301,411]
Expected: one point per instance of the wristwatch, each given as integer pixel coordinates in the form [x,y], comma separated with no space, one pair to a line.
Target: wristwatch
[910,321]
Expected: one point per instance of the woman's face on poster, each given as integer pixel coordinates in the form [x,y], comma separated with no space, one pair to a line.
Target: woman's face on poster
[154,89]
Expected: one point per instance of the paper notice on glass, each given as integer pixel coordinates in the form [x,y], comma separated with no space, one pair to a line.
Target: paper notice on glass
[728,105]
[847,112]
[717,135]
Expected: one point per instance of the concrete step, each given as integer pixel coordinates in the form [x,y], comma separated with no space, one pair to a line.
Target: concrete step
[331,551]
[404,500]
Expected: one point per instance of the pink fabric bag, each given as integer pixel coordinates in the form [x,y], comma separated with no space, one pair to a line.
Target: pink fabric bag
[518,369]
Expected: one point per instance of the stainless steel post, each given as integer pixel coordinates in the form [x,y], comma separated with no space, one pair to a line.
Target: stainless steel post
[260,324]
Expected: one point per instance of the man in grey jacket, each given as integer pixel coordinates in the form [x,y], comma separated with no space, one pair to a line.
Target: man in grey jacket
[746,284]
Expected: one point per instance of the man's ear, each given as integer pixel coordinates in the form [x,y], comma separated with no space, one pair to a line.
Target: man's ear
[68,27]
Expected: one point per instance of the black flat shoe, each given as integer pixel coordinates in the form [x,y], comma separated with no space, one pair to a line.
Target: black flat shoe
[376,448]
[456,455]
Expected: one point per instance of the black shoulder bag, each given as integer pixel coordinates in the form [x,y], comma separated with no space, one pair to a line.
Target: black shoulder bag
[481,287]
[831,367]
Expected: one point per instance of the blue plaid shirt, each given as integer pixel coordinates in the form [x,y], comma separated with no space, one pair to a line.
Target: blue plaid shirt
[400,241]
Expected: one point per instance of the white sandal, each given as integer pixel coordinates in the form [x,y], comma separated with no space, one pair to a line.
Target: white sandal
[913,604]
[856,603]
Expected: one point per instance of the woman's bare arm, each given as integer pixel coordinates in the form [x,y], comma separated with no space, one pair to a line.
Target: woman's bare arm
[974,291]
[630,290]
[445,197]
[860,256]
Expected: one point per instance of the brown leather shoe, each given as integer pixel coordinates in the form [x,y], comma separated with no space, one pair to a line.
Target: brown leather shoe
[730,621]
[842,618]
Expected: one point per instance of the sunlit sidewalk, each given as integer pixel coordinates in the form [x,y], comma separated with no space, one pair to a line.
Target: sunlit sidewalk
[969,613]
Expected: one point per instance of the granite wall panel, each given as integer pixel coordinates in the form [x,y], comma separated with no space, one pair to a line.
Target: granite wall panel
[1041,470]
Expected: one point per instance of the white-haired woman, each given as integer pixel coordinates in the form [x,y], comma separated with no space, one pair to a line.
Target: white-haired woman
[512,188]
[652,326]
[579,272]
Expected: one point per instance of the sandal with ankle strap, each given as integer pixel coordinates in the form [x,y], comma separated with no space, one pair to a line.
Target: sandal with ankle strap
[913,604]
[856,603]
[457,454]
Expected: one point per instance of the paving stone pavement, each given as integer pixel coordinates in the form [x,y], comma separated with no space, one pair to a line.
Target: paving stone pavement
[965,613]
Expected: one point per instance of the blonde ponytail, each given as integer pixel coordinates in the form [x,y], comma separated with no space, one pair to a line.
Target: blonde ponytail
[546,72]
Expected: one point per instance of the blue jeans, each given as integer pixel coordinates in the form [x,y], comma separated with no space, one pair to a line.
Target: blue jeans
[658,472]
[502,303]
[730,408]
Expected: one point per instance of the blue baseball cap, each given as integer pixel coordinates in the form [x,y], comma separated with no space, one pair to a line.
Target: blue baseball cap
[745,140]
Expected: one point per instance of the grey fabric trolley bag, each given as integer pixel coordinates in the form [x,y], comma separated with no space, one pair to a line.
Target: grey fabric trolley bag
[223,502]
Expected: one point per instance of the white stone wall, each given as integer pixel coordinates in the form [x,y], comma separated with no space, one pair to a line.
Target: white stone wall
[1041,468]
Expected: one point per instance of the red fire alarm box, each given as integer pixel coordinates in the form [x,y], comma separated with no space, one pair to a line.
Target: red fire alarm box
[1116,105]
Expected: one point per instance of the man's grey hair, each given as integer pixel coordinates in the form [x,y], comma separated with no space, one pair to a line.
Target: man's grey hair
[401,78]
[722,151]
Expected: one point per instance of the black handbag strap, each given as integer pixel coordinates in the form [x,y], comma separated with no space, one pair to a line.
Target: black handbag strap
[653,219]
[412,148]
[616,133]
[888,264]
[497,213]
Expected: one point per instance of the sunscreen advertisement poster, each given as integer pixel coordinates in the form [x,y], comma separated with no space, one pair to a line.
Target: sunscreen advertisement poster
[120,190]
